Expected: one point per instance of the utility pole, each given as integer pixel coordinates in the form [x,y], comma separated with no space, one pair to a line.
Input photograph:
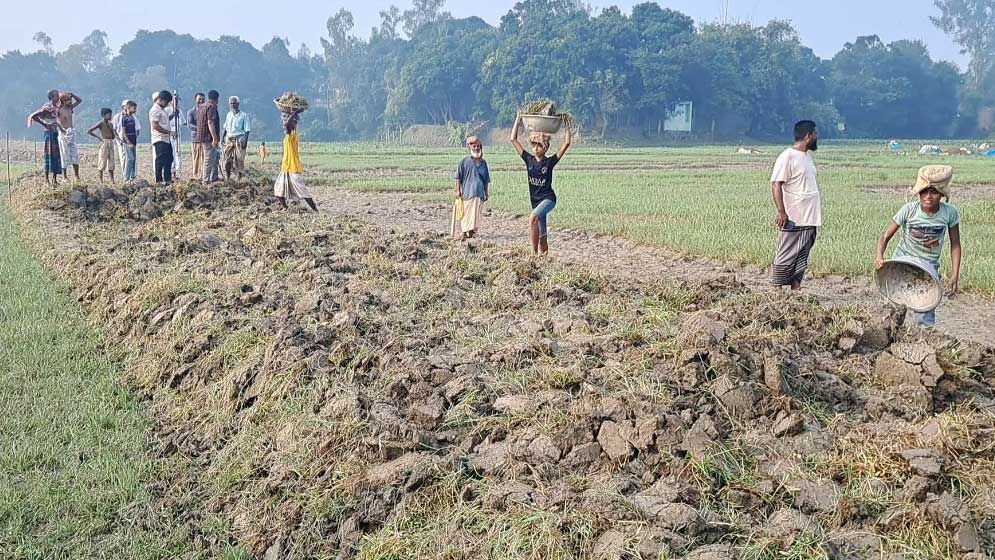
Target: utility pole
[10,196]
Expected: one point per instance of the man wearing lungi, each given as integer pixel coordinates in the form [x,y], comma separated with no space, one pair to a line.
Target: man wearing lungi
[798,204]
[472,180]
[48,118]
[235,139]
[67,134]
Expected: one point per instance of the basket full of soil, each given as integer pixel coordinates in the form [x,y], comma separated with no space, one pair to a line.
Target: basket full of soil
[290,102]
[907,281]
[541,116]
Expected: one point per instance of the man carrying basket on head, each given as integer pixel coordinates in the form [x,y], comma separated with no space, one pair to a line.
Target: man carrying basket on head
[290,184]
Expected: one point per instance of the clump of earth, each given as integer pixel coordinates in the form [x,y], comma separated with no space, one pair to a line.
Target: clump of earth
[344,391]
[139,200]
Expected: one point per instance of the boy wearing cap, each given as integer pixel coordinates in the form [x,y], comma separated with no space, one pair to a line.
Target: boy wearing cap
[925,223]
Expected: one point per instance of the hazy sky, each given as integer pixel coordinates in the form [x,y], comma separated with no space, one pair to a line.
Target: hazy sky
[824,26]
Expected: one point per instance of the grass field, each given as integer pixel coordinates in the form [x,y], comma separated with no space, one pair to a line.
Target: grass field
[76,460]
[74,441]
[706,201]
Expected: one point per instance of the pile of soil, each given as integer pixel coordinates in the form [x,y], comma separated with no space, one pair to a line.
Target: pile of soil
[138,200]
[346,390]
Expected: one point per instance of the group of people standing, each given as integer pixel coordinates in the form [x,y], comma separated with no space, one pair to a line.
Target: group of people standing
[925,222]
[217,149]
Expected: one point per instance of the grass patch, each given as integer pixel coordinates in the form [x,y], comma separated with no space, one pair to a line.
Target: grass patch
[76,459]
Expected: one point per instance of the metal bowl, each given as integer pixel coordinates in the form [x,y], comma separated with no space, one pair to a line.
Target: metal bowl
[542,123]
[910,282]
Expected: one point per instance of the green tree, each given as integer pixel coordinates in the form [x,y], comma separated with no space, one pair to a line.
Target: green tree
[44,40]
[971,23]
[893,90]
[422,13]
[436,83]
[658,58]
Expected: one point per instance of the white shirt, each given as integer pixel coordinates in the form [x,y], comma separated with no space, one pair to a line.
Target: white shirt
[159,115]
[802,201]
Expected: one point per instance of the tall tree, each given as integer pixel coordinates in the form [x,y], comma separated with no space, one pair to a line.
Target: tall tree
[421,13]
[436,82]
[887,90]
[44,40]
[971,23]
[389,19]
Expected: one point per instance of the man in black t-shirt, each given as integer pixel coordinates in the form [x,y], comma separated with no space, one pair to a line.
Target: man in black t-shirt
[540,173]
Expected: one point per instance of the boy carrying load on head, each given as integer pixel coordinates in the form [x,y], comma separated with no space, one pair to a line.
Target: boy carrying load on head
[107,137]
[925,222]
[539,169]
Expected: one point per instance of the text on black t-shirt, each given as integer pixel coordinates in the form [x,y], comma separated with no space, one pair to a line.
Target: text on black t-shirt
[540,177]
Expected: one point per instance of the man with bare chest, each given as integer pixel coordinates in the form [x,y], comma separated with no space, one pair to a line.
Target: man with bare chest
[67,133]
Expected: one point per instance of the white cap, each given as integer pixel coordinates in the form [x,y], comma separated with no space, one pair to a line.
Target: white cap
[124,102]
[234,99]
[155,96]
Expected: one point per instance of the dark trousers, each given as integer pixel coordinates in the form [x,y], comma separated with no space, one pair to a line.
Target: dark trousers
[163,162]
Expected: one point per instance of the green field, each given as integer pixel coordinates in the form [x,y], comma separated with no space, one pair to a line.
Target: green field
[705,201]
[77,460]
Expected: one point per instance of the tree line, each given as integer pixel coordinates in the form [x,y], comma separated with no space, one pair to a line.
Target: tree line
[610,69]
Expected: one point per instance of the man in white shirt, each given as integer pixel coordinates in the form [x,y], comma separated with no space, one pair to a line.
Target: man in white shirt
[235,139]
[799,206]
[161,138]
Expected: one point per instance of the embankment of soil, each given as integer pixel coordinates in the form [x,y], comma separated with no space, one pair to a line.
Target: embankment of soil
[344,389]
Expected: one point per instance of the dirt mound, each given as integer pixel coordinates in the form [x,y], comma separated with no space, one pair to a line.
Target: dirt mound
[138,200]
[350,391]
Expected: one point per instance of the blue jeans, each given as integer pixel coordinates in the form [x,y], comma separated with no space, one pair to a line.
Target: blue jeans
[129,164]
[927,319]
[540,211]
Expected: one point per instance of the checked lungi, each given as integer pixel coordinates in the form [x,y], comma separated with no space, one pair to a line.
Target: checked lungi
[791,261]
[53,156]
[233,156]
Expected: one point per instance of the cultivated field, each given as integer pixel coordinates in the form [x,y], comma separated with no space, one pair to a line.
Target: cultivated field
[704,201]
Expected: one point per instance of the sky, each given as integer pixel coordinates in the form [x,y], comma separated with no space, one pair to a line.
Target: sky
[823,26]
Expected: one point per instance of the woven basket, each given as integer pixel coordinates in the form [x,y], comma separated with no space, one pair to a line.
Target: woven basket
[287,108]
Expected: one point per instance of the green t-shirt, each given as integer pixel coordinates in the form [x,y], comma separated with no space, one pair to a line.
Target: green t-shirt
[922,234]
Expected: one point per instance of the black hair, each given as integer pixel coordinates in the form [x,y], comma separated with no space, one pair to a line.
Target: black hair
[213,95]
[166,96]
[131,104]
[803,129]
[199,94]
[105,111]
[53,94]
